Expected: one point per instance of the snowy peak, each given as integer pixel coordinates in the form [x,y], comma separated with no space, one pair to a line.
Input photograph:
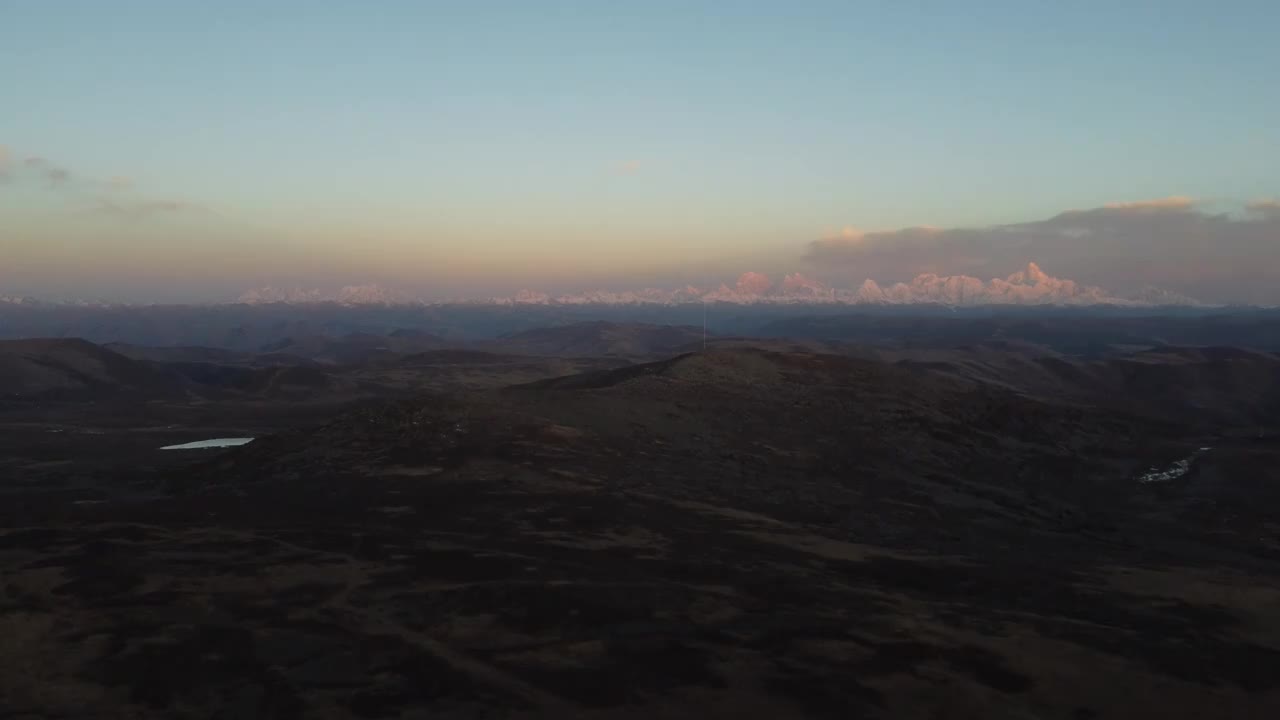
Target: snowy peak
[31,302]
[268,295]
[531,297]
[799,286]
[1156,297]
[869,293]
[1031,275]
[1030,285]
[753,284]
[348,295]
[370,295]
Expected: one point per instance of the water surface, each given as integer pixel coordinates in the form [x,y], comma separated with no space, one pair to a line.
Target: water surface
[213,443]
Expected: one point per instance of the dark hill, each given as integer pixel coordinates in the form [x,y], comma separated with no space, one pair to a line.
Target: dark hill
[736,533]
[72,368]
[600,339]
[789,534]
[355,348]
[286,381]
[195,354]
[454,357]
[184,354]
[1207,387]
[1073,332]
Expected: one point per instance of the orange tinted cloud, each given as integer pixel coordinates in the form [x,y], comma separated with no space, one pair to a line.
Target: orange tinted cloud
[1176,202]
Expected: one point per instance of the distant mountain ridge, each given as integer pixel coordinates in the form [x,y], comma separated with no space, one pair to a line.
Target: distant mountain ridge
[1028,286]
[70,367]
[28,301]
[348,295]
[600,338]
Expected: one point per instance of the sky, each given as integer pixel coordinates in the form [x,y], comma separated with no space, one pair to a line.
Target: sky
[173,150]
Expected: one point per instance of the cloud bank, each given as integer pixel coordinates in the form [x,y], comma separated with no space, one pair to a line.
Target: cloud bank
[1169,242]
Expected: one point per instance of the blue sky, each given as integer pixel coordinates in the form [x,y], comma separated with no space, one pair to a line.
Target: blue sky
[511,142]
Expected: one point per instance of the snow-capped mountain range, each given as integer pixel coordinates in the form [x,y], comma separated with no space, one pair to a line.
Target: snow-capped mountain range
[28,301]
[348,295]
[1028,286]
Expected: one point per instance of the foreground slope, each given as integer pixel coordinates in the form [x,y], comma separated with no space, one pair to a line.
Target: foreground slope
[77,369]
[600,338]
[355,348]
[1205,386]
[740,532]
[1099,333]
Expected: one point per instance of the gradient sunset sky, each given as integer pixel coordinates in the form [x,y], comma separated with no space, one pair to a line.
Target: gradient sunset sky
[173,150]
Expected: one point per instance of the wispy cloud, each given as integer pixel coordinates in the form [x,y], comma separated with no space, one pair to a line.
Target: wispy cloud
[55,176]
[1265,207]
[136,209]
[1169,242]
[113,197]
[1177,202]
[629,167]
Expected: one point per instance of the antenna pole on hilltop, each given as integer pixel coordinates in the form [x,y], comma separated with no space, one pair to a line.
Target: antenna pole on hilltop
[704,326]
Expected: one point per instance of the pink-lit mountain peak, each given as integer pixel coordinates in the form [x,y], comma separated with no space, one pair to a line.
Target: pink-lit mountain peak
[1030,285]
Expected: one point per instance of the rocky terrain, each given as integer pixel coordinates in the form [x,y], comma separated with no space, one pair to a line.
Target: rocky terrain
[755,532]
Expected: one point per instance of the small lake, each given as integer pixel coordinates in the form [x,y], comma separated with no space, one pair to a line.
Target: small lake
[213,443]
